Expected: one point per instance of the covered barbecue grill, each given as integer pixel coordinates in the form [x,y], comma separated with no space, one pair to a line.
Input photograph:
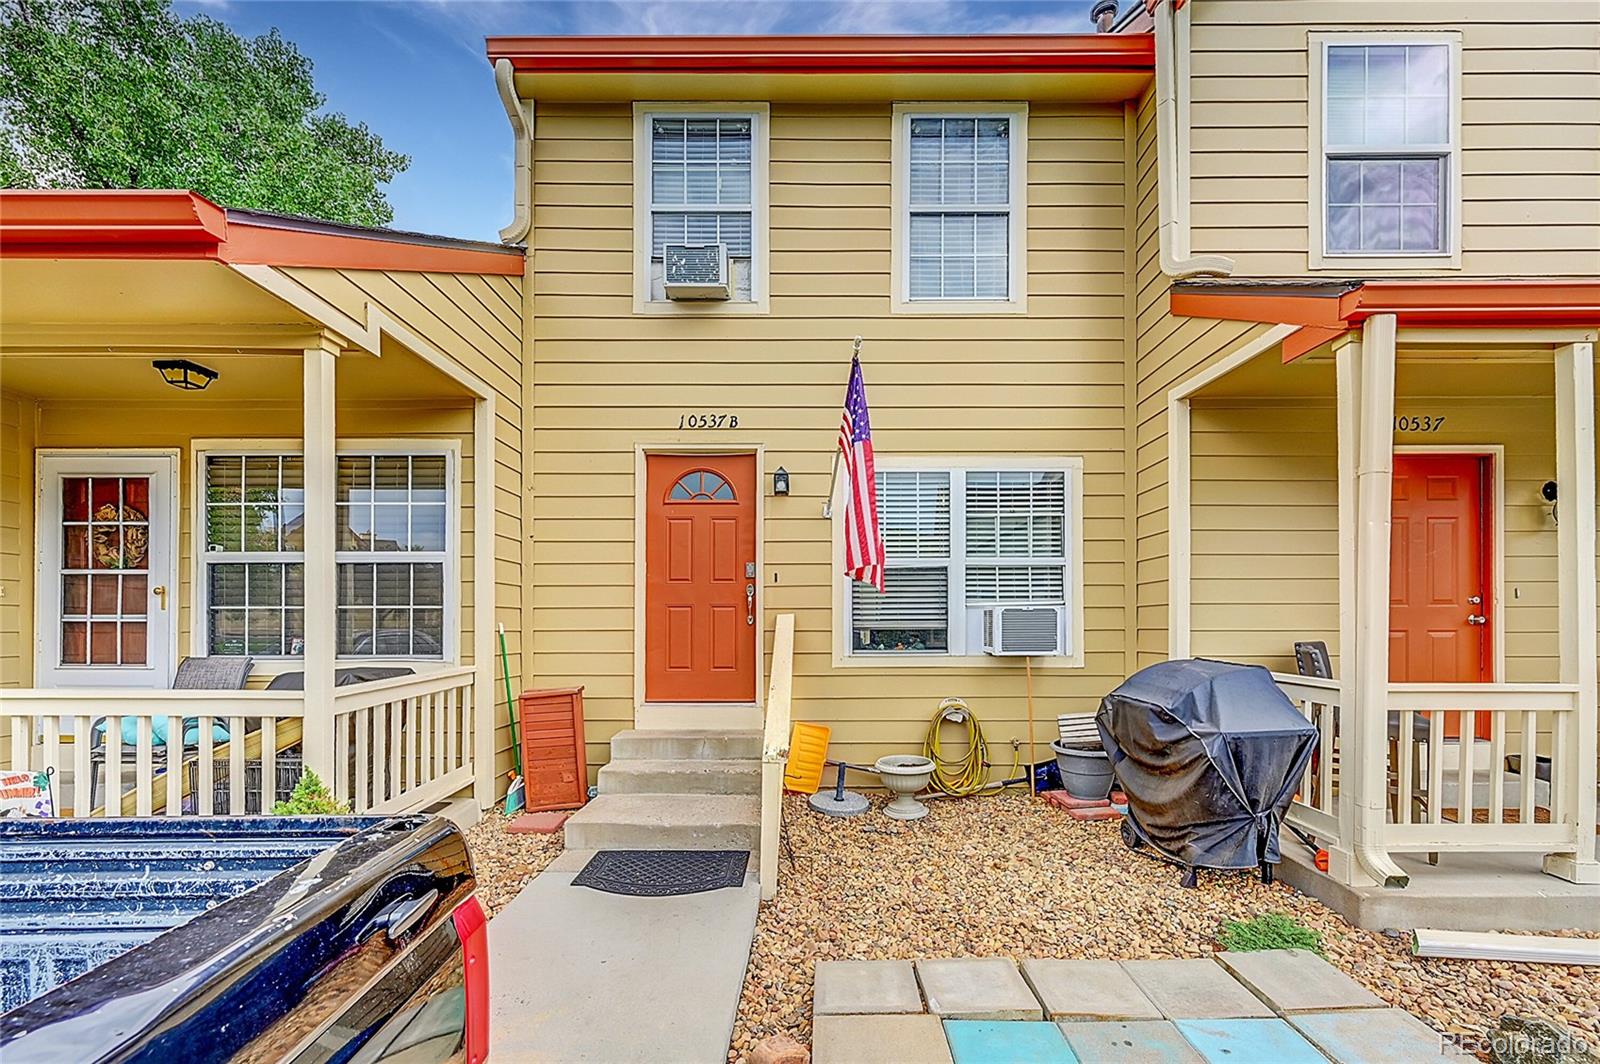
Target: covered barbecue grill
[1210,755]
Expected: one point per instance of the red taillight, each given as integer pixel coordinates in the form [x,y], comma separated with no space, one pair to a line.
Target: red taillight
[472,927]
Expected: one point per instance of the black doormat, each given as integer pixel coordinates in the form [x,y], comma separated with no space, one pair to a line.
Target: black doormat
[659,873]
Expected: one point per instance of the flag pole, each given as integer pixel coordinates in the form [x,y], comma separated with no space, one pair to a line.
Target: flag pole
[833,477]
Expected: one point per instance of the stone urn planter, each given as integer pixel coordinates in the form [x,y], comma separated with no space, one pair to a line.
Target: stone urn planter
[903,775]
[1085,770]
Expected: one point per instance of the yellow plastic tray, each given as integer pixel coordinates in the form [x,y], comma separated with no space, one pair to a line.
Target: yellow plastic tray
[808,749]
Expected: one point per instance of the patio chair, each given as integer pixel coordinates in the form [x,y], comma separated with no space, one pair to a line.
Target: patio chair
[194,674]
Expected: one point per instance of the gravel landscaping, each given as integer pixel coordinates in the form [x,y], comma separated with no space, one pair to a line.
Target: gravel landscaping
[504,862]
[1010,876]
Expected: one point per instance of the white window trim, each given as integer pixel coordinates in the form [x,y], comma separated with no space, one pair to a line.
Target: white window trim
[1318,257]
[199,645]
[900,273]
[759,198]
[961,655]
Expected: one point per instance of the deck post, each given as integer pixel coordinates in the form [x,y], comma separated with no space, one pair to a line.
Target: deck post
[1575,554]
[485,706]
[321,630]
[1369,711]
[1342,863]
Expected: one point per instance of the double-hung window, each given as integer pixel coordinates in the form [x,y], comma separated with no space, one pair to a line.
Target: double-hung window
[393,554]
[960,217]
[962,538]
[702,177]
[1389,170]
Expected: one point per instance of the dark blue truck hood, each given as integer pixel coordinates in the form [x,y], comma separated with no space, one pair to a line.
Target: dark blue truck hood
[300,892]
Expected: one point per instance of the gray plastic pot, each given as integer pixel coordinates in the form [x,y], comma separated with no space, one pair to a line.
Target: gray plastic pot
[1085,770]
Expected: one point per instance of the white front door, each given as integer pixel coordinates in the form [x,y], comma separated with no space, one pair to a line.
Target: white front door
[107,580]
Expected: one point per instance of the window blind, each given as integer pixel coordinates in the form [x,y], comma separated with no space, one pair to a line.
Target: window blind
[913,598]
[914,511]
[959,232]
[1016,514]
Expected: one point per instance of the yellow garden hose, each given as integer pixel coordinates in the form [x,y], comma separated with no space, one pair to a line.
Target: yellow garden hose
[968,773]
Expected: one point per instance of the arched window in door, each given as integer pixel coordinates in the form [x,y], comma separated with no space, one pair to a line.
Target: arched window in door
[701,485]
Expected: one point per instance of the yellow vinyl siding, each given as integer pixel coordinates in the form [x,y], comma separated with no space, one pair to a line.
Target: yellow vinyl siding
[478,322]
[605,381]
[1530,127]
[16,536]
[1265,515]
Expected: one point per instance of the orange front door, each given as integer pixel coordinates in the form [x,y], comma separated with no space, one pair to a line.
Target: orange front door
[1440,573]
[700,556]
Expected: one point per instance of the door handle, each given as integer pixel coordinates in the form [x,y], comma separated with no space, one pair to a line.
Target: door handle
[1477,618]
[160,593]
[403,916]
[749,604]
[1474,600]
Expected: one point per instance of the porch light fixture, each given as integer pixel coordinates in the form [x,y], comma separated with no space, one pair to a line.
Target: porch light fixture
[185,375]
[780,481]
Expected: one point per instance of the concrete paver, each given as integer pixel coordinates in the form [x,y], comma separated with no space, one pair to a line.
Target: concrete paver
[581,975]
[861,987]
[977,988]
[1087,990]
[1373,1036]
[1249,1041]
[1194,990]
[1007,1042]
[878,1040]
[1131,1042]
[1297,980]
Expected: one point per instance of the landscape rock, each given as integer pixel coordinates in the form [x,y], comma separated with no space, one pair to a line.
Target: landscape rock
[779,1049]
[1529,1040]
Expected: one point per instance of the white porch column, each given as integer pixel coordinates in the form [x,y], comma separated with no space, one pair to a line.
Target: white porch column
[1576,543]
[1342,863]
[1367,676]
[486,707]
[320,573]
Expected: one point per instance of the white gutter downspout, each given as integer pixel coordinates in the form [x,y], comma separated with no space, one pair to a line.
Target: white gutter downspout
[1172,148]
[520,115]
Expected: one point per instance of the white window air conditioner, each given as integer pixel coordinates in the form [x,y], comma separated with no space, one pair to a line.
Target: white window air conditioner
[1022,631]
[696,271]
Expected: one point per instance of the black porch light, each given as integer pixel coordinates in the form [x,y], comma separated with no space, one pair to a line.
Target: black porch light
[185,375]
[780,482]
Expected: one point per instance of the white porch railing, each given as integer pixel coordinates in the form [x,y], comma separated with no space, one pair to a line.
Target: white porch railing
[56,730]
[1443,793]
[1440,785]
[775,752]
[403,743]
[1315,809]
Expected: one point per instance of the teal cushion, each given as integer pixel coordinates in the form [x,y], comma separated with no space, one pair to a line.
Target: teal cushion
[158,731]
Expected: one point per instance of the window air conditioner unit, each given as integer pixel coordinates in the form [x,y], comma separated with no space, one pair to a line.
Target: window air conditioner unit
[697,271]
[1022,631]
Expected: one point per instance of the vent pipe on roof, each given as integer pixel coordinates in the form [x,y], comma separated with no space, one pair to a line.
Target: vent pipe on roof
[521,117]
[1104,14]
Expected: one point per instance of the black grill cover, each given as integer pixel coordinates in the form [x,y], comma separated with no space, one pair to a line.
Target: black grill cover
[1210,755]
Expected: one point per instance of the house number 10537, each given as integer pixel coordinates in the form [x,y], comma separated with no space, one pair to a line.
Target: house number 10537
[708,421]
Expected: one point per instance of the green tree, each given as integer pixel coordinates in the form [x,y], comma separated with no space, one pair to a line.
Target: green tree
[127,94]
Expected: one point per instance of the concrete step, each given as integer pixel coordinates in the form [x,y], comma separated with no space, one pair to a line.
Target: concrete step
[666,822]
[685,744]
[681,777]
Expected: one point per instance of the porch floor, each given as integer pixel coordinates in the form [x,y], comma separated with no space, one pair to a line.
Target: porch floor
[1463,892]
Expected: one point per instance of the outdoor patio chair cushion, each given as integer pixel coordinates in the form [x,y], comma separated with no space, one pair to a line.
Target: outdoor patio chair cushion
[194,674]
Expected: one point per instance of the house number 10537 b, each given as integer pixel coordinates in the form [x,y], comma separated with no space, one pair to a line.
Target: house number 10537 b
[708,421]
[1419,423]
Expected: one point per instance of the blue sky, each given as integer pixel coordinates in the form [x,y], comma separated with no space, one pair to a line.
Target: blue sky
[415,71]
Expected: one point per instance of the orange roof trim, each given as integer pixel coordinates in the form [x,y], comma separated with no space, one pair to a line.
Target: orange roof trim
[1327,310]
[1013,53]
[139,224]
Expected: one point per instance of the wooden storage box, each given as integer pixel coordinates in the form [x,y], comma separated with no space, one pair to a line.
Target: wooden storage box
[554,764]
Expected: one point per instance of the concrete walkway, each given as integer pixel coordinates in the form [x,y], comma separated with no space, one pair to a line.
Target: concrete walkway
[580,975]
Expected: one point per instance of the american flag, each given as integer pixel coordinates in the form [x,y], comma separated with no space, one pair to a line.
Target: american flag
[863,535]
